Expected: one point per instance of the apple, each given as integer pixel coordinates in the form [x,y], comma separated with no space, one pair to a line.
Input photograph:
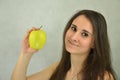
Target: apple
[37,39]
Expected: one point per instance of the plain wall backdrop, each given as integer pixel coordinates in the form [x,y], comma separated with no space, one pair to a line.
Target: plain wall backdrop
[18,16]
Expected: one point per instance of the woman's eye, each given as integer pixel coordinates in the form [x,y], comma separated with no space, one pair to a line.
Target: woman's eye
[85,34]
[73,28]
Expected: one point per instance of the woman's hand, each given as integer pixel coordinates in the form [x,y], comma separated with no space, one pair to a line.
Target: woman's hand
[25,43]
[20,69]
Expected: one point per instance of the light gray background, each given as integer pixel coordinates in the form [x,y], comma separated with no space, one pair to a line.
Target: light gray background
[17,16]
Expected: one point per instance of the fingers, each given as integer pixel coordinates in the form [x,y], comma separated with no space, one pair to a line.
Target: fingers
[33,28]
[25,42]
[29,31]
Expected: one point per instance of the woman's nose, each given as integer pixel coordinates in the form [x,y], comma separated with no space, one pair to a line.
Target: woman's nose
[75,37]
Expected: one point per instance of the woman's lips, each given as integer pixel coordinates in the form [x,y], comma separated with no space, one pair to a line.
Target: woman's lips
[73,44]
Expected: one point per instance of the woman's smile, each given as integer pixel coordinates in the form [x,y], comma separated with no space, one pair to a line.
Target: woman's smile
[77,39]
[72,43]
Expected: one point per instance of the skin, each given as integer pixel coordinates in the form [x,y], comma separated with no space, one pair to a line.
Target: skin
[79,37]
[78,43]
[19,72]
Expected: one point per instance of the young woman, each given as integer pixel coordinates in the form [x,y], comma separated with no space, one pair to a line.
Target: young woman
[85,55]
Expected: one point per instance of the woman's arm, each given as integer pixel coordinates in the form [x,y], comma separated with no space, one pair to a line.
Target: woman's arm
[19,72]
[44,74]
[20,69]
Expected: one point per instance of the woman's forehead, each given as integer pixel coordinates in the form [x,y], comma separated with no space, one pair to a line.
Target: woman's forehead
[83,22]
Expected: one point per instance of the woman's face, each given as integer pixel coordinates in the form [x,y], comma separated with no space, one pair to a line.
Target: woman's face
[79,37]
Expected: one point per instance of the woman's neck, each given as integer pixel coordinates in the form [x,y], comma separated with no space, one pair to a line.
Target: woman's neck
[77,62]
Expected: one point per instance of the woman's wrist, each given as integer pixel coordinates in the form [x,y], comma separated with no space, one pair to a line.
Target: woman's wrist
[26,55]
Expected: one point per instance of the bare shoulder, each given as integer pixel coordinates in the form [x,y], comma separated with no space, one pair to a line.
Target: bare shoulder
[44,74]
[107,76]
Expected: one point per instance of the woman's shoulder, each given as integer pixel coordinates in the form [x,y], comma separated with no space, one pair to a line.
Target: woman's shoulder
[107,76]
[44,74]
[53,66]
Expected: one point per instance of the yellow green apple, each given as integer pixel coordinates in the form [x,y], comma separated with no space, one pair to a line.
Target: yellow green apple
[37,39]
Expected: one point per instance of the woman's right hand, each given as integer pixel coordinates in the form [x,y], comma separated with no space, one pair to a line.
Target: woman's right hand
[25,43]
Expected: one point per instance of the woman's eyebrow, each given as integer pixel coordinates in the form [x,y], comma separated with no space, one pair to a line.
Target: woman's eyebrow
[86,31]
[74,25]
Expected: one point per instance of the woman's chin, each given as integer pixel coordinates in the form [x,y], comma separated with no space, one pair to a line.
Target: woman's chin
[71,51]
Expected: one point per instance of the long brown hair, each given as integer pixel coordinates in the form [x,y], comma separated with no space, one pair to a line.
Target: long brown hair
[99,59]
